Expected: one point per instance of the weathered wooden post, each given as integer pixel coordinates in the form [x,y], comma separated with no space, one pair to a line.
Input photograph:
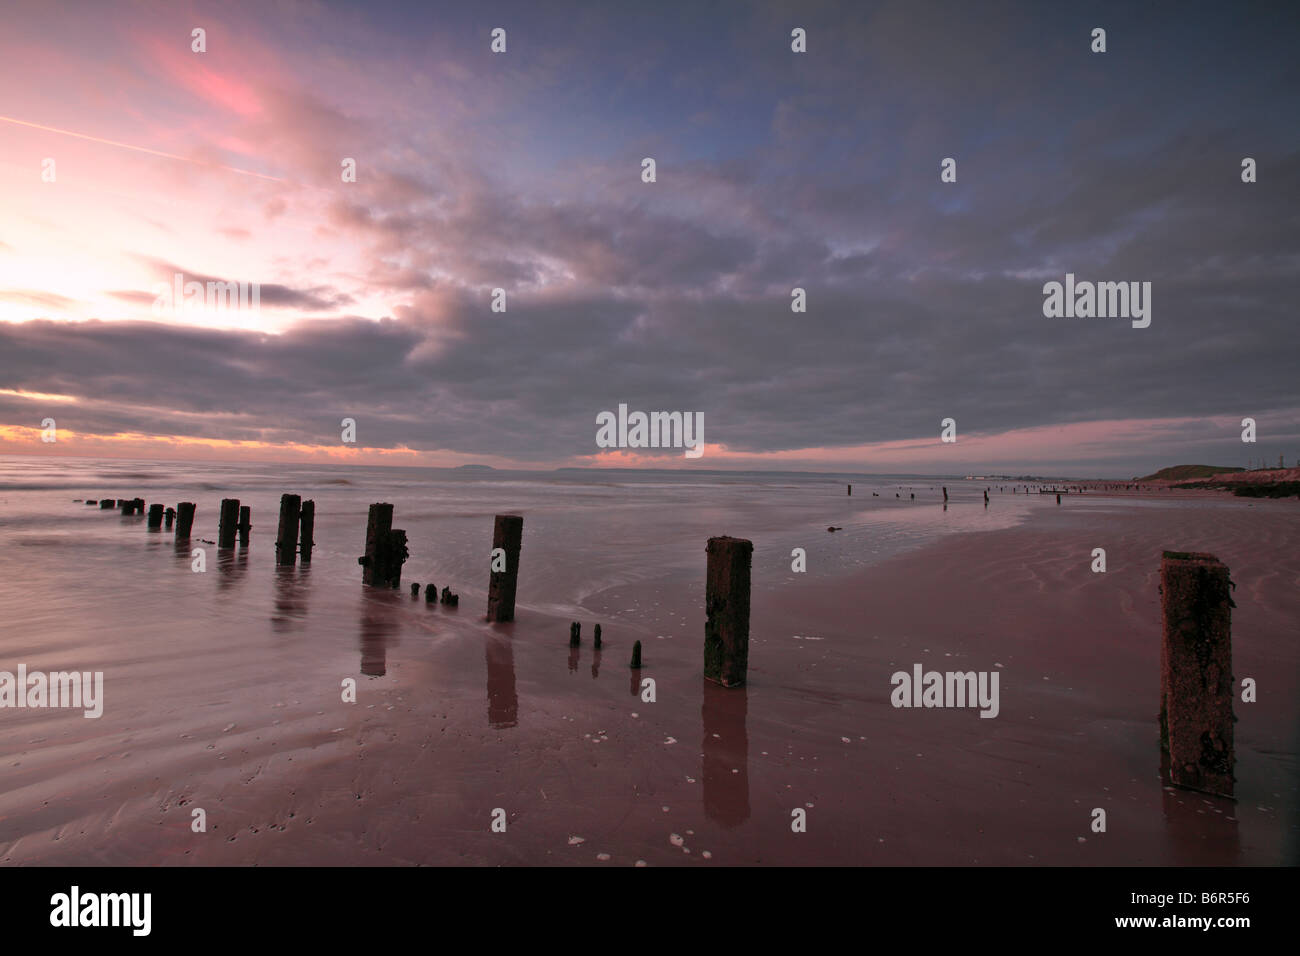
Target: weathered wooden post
[92,501]
[595,637]
[286,539]
[106,503]
[392,555]
[184,519]
[385,549]
[575,634]
[137,506]
[850,491]
[726,605]
[378,525]
[228,523]
[636,658]
[508,535]
[155,516]
[945,494]
[1196,683]
[169,516]
[125,505]
[450,598]
[415,589]
[431,593]
[245,524]
[307,528]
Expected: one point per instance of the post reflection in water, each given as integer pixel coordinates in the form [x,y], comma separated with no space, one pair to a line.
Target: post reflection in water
[291,588]
[231,567]
[502,699]
[595,665]
[726,754]
[378,630]
[573,660]
[1197,835]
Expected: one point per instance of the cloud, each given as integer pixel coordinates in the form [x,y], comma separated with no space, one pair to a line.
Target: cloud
[320,298]
[774,171]
[44,300]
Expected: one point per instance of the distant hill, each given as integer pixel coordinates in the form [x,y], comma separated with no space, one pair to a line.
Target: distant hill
[475,468]
[1185,472]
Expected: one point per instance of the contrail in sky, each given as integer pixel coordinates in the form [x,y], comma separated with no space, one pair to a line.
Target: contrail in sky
[143,149]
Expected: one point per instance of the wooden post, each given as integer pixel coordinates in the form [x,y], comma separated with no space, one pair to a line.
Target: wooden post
[431,593]
[105,504]
[245,524]
[228,523]
[307,528]
[850,491]
[1196,683]
[636,657]
[575,634]
[507,534]
[394,553]
[137,506]
[390,554]
[595,636]
[726,605]
[286,539]
[184,519]
[169,516]
[155,516]
[378,525]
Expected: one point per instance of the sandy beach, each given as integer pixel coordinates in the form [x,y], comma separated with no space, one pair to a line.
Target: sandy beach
[235,707]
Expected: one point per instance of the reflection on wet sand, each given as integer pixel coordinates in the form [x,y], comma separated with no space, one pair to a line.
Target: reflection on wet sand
[291,588]
[378,630]
[726,754]
[231,567]
[502,699]
[1198,836]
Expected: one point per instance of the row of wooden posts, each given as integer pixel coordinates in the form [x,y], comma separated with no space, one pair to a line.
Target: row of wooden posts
[1196,683]
[297,523]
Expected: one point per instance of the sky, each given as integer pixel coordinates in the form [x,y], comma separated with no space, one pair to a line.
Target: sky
[126,158]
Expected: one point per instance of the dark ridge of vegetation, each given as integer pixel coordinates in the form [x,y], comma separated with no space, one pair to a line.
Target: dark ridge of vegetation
[1180,472]
[1275,489]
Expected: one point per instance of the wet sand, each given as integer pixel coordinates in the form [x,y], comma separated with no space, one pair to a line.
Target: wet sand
[456,718]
